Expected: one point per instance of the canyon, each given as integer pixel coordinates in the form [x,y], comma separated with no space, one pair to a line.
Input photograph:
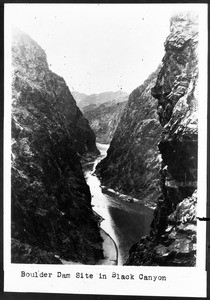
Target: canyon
[132,162]
[61,182]
[103,112]
[153,153]
[104,119]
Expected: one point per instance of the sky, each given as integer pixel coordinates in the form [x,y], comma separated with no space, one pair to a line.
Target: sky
[98,47]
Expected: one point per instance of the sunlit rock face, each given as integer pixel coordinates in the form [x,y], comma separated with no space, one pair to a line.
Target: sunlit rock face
[51,202]
[172,239]
[133,160]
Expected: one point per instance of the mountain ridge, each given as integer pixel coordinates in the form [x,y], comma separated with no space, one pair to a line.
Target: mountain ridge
[104,119]
[103,112]
[98,99]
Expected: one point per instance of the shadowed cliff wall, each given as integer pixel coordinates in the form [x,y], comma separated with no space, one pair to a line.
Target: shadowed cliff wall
[51,202]
[172,240]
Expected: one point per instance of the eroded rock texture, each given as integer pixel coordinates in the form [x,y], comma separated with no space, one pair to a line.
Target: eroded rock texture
[132,163]
[172,239]
[51,202]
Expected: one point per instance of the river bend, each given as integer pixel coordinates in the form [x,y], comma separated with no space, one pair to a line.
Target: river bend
[125,222]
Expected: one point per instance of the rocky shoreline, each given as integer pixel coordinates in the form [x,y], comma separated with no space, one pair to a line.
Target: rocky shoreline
[127,198]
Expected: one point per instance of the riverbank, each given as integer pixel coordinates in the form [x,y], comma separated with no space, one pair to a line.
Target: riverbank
[124,221]
[110,250]
[126,198]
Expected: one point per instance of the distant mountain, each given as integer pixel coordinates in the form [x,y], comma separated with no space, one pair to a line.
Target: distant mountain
[97,99]
[78,96]
[104,119]
[103,111]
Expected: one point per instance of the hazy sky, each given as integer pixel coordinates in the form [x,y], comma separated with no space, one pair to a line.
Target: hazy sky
[98,48]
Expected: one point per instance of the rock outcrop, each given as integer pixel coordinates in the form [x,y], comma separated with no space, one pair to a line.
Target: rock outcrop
[104,119]
[172,240]
[51,202]
[132,163]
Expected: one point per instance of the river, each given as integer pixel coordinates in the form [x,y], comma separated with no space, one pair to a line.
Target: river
[125,222]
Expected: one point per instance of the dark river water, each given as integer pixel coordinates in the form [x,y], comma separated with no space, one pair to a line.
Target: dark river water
[125,222]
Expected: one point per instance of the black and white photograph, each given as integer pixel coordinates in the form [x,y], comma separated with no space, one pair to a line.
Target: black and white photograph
[105,148]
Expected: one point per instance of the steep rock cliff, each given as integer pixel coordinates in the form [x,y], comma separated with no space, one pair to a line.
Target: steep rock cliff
[132,162]
[104,119]
[51,202]
[172,240]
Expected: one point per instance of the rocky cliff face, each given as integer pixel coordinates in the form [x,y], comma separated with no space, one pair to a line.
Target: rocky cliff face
[132,162]
[51,202]
[104,119]
[172,240]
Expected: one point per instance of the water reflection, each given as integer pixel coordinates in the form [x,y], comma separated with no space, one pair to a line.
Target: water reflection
[124,222]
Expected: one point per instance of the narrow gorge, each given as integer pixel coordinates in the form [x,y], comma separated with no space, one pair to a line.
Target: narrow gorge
[103,112]
[153,154]
[67,196]
[132,163]
[172,238]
